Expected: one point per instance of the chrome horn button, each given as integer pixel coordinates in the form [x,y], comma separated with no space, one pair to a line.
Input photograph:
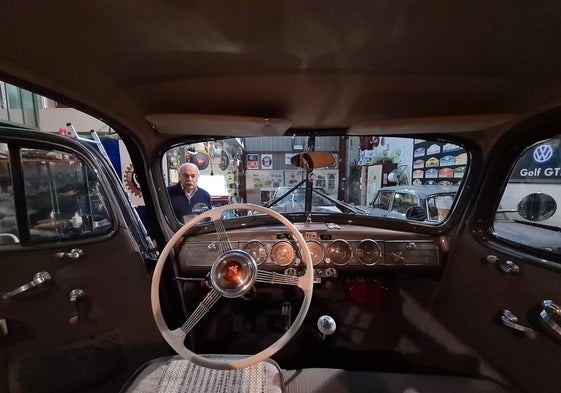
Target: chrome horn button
[233,273]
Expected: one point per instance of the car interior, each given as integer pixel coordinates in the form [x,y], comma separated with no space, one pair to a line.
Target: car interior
[383,176]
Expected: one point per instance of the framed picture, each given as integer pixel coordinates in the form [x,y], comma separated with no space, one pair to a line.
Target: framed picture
[252,161]
[266,161]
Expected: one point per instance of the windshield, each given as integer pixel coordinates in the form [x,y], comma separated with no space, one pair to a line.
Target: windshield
[367,176]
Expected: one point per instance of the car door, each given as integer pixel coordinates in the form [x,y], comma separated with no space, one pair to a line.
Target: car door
[74,291]
[497,310]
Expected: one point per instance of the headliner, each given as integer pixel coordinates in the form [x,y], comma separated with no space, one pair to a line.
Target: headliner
[317,64]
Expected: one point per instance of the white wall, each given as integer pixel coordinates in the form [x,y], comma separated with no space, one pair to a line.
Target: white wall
[52,119]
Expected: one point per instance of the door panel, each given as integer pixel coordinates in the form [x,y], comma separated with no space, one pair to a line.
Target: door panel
[505,259]
[473,294]
[91,324]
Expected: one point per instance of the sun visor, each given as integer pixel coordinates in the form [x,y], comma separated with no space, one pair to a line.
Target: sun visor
[227,126]
[430,124]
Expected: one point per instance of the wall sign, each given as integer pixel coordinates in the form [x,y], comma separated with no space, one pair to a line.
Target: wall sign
[540,164]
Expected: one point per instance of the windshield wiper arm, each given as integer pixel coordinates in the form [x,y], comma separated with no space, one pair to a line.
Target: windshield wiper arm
[345,207]
[273,202]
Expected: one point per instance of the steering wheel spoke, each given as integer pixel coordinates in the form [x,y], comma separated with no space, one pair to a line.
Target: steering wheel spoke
[223,238]
[202,309]
[267,277]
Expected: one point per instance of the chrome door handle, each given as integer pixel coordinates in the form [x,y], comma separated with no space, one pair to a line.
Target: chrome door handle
[510,320]
[75,254]
[550,317]
[38,279]
[508,266]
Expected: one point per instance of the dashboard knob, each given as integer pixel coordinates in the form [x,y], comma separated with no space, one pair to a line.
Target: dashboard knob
[330,272]
[290,272]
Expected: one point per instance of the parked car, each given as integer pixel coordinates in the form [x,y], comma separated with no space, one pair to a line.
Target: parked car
[402,201]
[262,95]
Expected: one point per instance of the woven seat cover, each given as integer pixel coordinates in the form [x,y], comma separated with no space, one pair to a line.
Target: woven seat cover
[176,375]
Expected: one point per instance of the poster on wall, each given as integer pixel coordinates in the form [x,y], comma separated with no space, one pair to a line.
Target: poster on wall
[252,161]
[438,164]
[266,161]
[291,178]
[261,184]
[327,180]
[288,158]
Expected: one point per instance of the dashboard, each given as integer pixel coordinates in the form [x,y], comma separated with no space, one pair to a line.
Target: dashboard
[335,249]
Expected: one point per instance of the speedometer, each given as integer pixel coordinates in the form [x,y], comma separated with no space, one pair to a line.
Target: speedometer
[257,250]
[282,253]
[316,251]
[368,252]
[339,252]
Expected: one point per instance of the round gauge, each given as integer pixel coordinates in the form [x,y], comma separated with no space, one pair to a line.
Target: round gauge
[368,252]
[282,253]
[339,252]
[316,251]
[257,250]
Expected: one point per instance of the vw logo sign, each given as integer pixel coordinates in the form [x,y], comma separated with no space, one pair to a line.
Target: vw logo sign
[543,153]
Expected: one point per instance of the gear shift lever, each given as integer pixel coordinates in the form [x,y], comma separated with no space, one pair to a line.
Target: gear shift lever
[326,326]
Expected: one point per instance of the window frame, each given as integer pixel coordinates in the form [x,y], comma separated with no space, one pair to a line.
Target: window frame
[20,200]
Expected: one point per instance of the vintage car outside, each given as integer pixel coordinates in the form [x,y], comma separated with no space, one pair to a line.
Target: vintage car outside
[397,202]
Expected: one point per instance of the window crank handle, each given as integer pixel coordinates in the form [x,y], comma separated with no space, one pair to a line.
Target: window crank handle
[74,296]
[510,320]
[38,279]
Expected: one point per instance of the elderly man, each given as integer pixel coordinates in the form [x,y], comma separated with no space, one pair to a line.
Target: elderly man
[186,198]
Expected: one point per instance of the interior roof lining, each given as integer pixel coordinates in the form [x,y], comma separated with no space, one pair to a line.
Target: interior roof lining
[235,126]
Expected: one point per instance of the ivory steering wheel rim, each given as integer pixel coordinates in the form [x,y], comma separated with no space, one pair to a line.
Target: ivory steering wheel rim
[175,338]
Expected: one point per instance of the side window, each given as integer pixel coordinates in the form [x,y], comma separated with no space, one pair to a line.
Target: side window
[528,213]
[439,206]
[63,197]
[403,201]
[8,223]
[383,200]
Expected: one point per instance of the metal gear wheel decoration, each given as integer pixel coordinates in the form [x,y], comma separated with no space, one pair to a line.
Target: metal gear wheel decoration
[131,181]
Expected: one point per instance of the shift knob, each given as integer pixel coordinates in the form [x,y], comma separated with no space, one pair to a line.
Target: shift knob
[326,325]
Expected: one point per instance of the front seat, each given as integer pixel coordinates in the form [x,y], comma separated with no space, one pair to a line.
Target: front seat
[176,375]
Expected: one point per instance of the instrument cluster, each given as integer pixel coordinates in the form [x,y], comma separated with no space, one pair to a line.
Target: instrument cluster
[330,255]
[333,253]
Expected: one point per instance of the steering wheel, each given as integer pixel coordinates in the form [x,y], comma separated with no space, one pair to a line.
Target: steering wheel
[233,273]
